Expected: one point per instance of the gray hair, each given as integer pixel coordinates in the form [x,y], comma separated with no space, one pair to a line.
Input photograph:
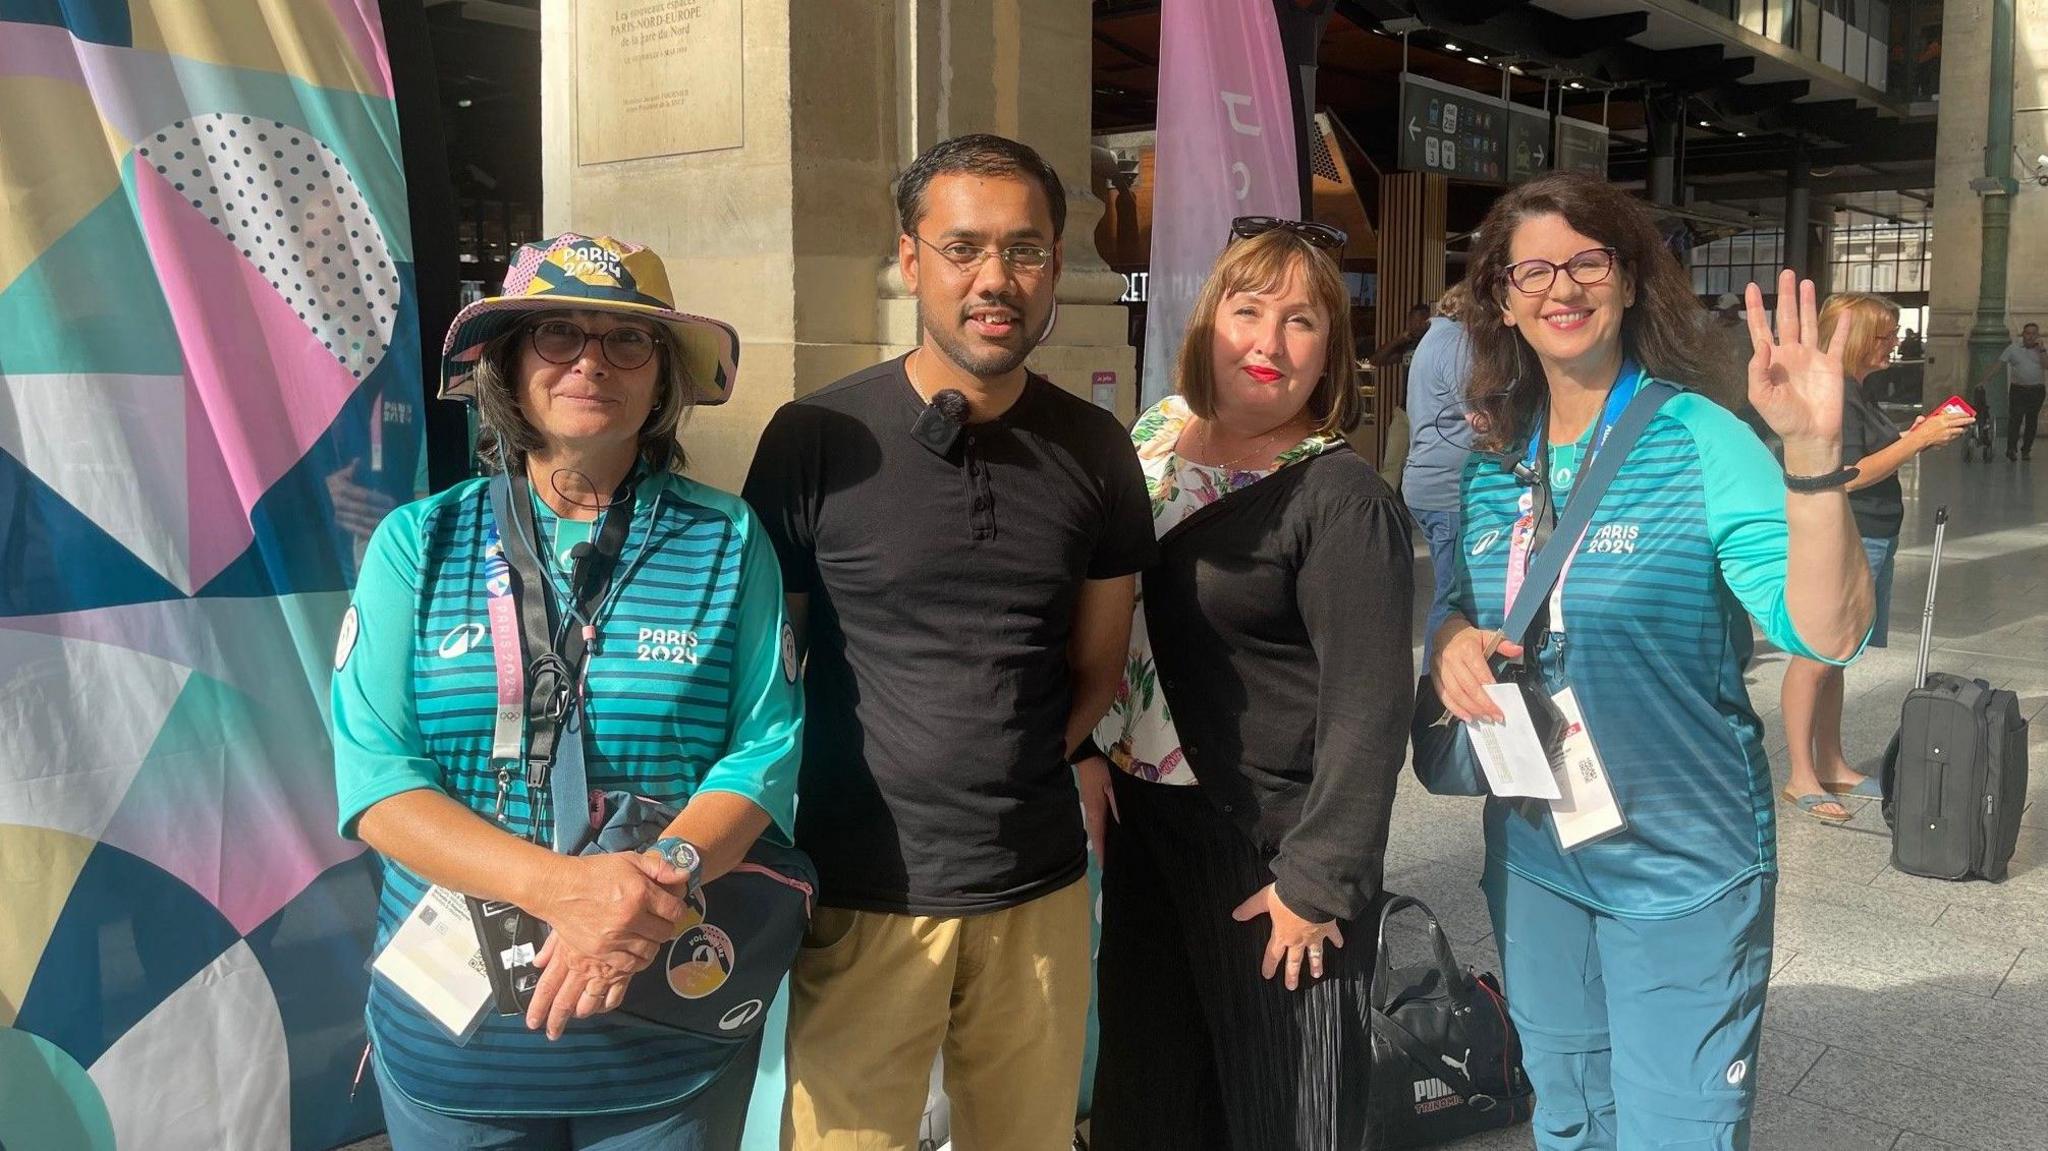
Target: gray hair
[504,435]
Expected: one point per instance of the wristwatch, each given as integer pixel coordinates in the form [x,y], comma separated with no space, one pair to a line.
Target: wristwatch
[1840,477]
[682,855]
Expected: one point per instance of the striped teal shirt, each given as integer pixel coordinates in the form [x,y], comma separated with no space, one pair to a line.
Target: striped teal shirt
[1688,544]
[689,692]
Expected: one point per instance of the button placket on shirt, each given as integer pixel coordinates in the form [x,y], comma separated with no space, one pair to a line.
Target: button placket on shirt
[981,500]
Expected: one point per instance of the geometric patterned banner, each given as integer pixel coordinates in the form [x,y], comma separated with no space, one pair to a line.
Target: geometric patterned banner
[209,394]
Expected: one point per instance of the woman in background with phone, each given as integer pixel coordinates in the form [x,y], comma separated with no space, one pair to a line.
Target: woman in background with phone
[1863,329]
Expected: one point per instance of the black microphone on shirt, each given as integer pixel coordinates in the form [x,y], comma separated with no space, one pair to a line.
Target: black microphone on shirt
[1515,465]
[938,426]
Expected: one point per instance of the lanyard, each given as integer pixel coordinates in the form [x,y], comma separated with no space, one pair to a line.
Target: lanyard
[539,665]
[1536,517]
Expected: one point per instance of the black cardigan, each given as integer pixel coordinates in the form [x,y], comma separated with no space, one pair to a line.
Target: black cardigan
[1279,617]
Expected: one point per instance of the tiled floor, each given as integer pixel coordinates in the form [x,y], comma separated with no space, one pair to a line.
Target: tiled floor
[1905,1013]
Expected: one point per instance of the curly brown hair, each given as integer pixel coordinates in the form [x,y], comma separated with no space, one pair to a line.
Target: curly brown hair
[1661,331]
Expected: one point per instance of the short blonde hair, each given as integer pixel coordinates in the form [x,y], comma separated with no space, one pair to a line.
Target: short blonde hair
[1261,264]
[1863,314]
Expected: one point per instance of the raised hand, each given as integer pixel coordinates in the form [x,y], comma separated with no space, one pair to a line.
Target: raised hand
[1795,383]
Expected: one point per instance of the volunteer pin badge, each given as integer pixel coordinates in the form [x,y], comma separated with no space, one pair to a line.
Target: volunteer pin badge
[788,652]
[346,641]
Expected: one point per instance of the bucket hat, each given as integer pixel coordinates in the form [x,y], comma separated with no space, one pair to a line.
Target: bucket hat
[591,273]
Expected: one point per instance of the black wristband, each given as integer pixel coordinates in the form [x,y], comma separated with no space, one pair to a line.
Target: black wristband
[1840,477]
[1086,749]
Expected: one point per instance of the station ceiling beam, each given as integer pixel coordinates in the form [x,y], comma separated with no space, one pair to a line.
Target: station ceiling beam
[1902,181]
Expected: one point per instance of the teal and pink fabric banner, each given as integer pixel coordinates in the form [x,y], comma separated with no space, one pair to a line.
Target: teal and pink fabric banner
[209,394]
[1225,149]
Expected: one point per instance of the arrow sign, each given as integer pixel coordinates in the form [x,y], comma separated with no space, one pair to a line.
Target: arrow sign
[1539,155]
[1413,128]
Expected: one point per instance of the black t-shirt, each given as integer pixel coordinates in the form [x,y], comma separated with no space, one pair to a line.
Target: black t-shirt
[1881,507]
[942,595]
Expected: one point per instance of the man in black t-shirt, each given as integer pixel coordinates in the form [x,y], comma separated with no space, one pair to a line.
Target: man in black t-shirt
[959,539]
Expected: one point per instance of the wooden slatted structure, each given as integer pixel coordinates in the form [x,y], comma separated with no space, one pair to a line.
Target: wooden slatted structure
[1411,271]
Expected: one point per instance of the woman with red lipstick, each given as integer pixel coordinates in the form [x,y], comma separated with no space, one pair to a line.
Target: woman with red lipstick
[1634,922]
[1259,728]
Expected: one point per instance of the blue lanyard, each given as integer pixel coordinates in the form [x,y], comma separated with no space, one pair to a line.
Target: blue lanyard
[1527,534]
[1625,387]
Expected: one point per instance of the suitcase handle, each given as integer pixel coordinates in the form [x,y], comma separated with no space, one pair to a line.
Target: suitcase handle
[1927,613]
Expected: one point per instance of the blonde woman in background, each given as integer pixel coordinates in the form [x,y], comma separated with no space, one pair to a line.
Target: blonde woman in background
[1864,329]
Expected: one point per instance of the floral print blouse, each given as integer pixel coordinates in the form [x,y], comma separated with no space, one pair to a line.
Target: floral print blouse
[1138,733]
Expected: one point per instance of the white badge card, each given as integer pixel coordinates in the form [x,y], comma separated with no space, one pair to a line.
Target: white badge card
[434,957]
[1510,753]
[1584,809]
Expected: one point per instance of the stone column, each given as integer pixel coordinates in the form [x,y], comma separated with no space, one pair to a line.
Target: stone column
[1967,82]
[790,233]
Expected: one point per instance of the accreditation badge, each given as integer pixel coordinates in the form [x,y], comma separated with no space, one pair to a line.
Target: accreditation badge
[1585,810]
[435,959]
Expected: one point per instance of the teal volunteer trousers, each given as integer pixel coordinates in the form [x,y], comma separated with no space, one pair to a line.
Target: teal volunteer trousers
[1636,1033]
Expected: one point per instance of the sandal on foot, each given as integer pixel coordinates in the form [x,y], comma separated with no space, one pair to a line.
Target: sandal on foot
[1865,788]
[1811,805]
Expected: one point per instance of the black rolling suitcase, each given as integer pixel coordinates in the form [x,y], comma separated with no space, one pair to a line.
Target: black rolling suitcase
[1955,774]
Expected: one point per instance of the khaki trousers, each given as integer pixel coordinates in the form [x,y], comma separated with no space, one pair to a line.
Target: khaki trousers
[875,996]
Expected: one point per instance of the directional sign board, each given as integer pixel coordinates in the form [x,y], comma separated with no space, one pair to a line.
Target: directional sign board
[1529,152]
[1451,131]
[1581,146]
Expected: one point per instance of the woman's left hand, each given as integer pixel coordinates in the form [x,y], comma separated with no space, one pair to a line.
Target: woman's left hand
[1795,383]
[1294,940]
[572,985]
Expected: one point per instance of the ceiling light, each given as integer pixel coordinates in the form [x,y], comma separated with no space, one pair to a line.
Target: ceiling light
[1516,70]
[1704,124]
[1740,132]
[1450,47]
[1474,60]
[1576,86]
[464,102]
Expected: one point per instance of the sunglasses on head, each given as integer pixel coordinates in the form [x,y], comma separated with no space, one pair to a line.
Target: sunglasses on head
[1321,235]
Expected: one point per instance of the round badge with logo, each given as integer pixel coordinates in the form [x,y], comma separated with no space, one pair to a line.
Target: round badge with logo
[345,643]
[700,961]
[789,660]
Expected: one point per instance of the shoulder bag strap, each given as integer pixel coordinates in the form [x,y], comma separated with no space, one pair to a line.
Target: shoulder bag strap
[1548,565]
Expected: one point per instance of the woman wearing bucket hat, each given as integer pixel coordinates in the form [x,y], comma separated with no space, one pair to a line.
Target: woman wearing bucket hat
[655,652]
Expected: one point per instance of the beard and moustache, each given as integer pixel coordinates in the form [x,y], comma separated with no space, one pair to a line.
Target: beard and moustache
[986,361]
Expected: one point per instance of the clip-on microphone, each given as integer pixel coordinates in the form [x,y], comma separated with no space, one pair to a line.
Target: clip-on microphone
[938,426]
[1513,464]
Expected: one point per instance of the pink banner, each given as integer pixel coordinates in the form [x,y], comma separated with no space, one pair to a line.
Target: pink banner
[1226,149]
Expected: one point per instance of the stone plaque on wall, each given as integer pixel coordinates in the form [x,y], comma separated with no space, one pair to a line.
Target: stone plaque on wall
[656,78]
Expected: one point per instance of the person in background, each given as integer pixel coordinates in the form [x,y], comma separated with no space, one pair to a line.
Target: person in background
[1861,329]
[2026,366]
[1403,344]
[581,372]
[1439,440]
[1638,962]
[960,539]
[1911,347]
[1257,733]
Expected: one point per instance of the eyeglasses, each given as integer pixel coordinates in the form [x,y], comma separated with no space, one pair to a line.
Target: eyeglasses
[1321,235]
[969,257]
[561,342]
[1534,277]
